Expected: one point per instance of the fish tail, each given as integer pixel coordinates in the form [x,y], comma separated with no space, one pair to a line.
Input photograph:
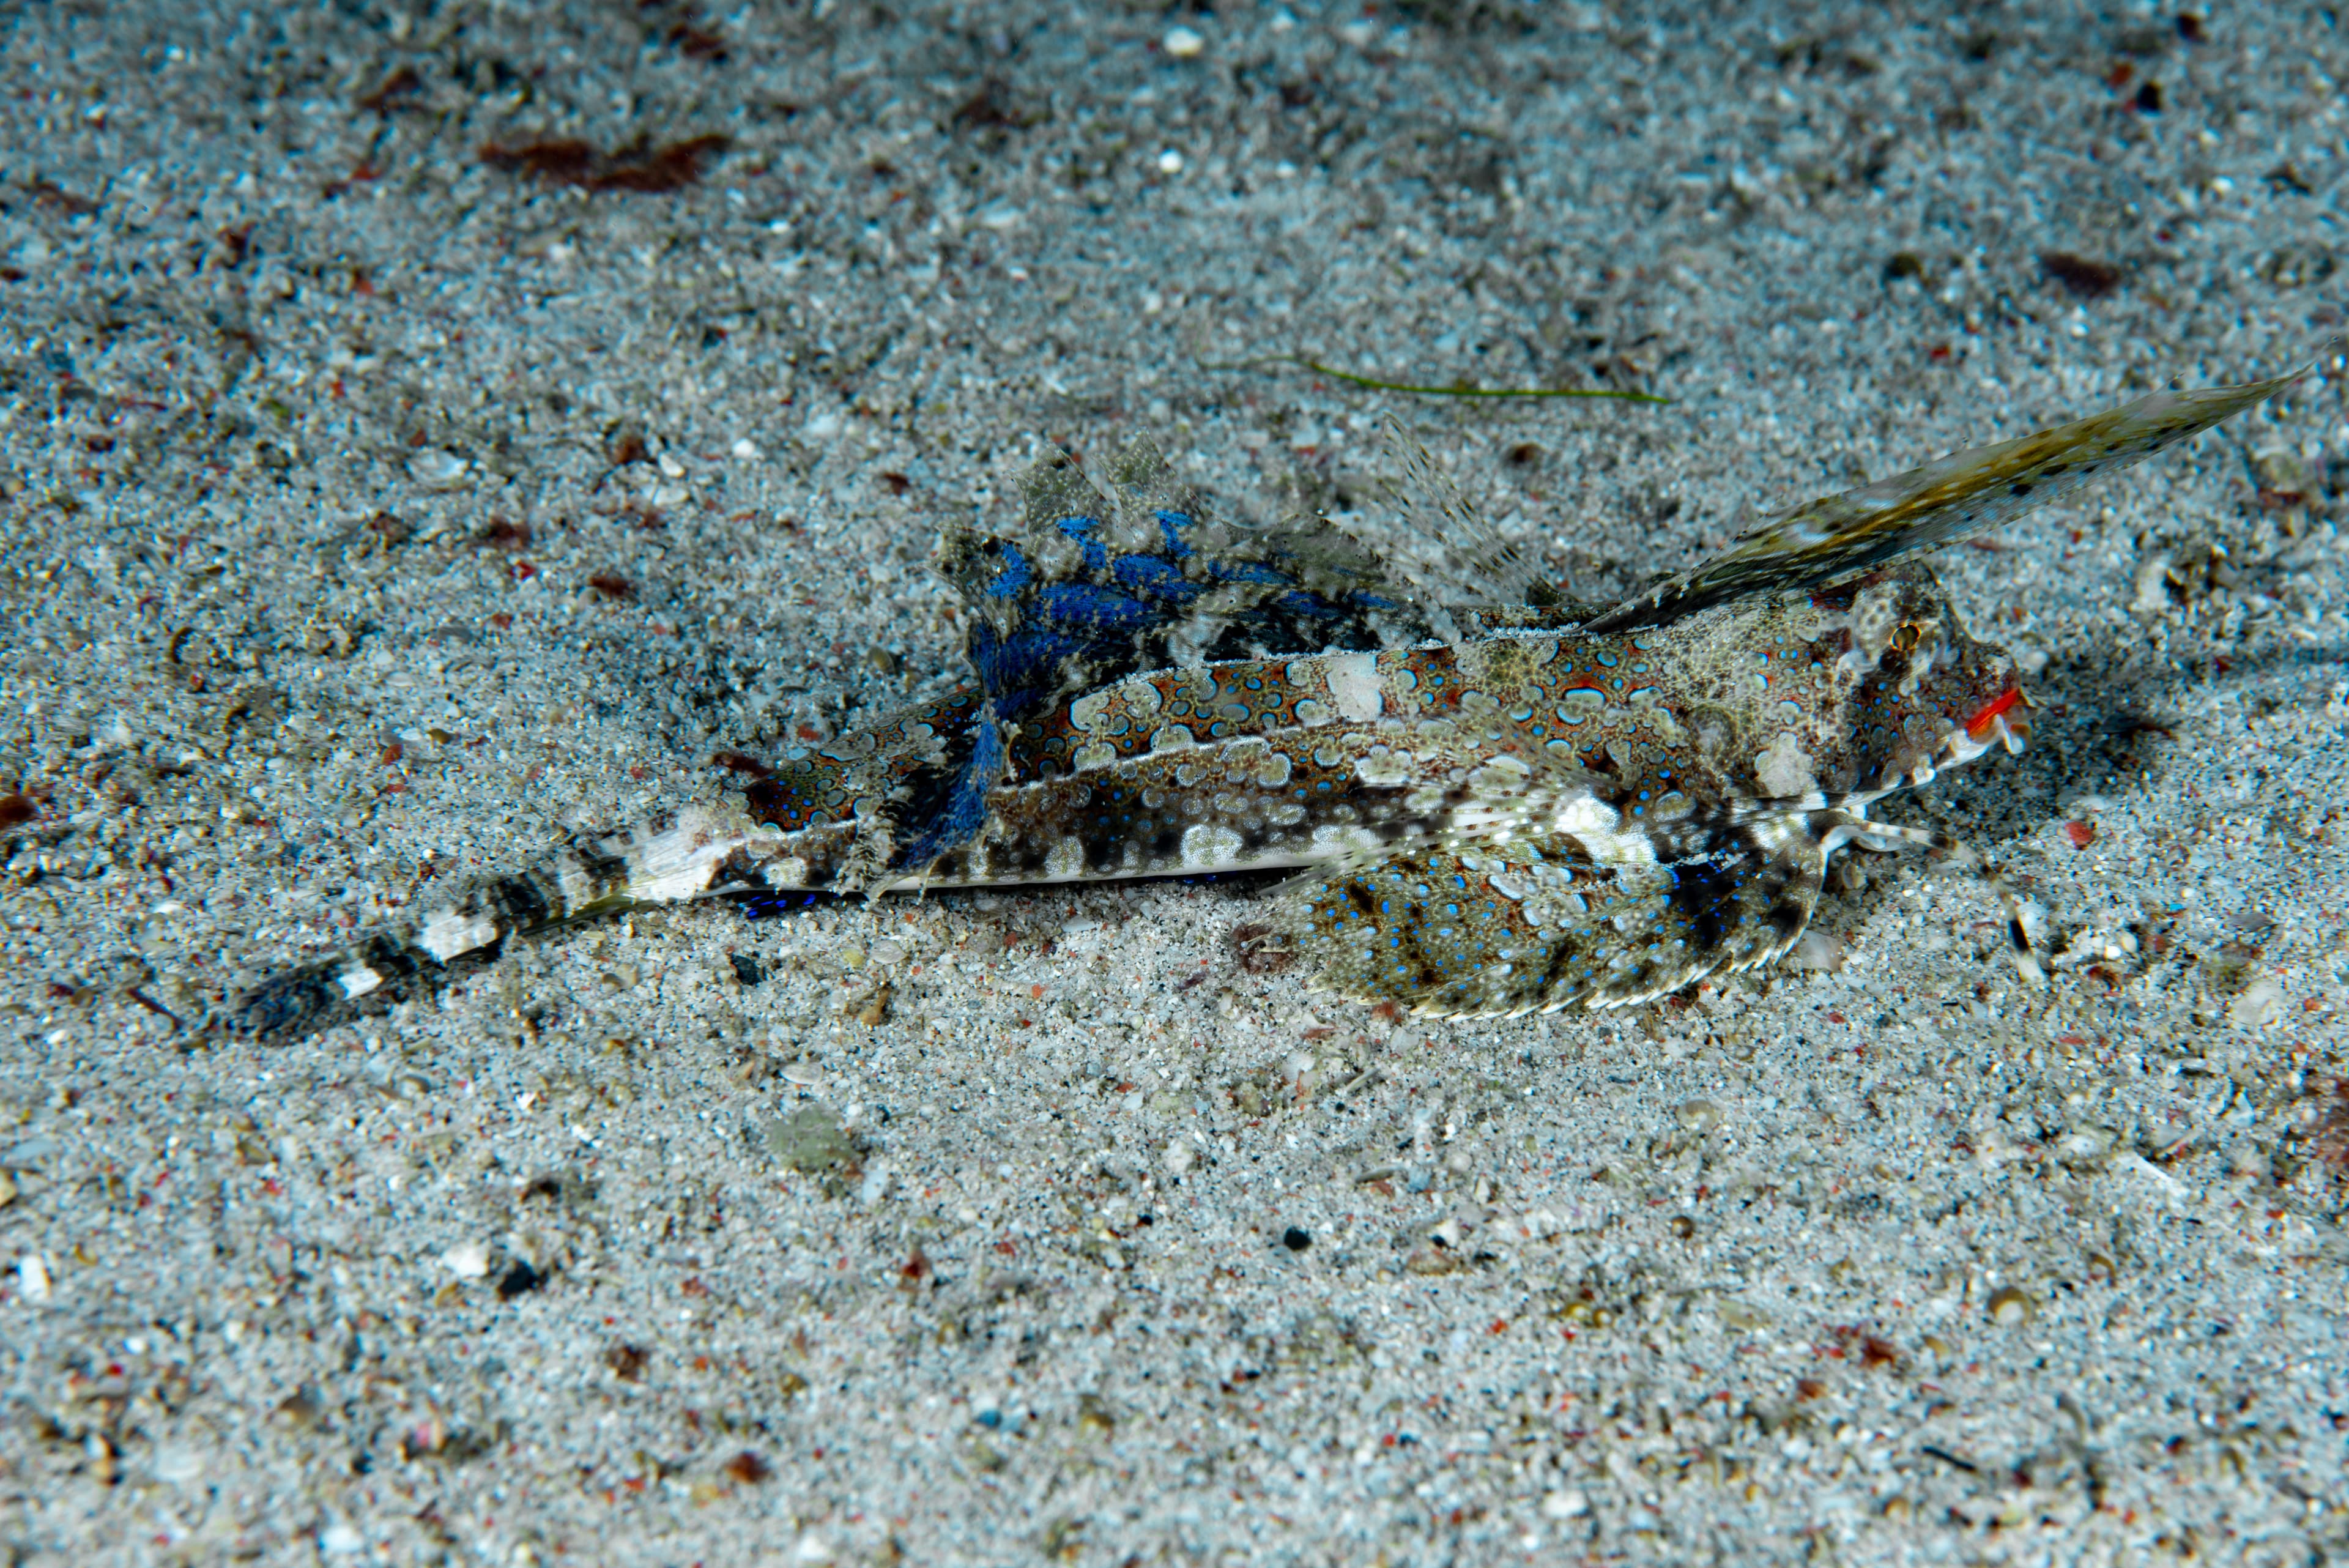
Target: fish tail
[697,855]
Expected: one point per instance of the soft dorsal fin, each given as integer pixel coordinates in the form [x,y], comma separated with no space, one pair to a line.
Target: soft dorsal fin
[1457,557]
[1951,499]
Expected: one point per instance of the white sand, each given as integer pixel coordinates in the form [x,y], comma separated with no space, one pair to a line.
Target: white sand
[1894,1263]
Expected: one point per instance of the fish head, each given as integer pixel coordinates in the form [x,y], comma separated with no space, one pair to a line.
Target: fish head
[1928,696]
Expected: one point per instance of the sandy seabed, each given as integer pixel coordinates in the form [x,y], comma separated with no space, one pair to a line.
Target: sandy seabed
[425,433]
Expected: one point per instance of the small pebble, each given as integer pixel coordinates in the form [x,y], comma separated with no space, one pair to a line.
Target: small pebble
[1184,44]
[1700,1116]
[1296,1239]
[467,1260]
[520,1280]
[1180,1157]
[2010,1306]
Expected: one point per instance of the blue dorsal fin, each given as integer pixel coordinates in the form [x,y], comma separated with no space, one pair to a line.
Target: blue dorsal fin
[1096,584]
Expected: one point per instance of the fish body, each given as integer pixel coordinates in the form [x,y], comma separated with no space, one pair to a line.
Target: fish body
[1493,807]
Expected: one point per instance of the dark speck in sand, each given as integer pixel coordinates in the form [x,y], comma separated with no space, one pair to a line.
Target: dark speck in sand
[638,166]
[2089,279]
[520,1280]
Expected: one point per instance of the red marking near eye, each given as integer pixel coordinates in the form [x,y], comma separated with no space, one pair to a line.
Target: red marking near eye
[1979,725]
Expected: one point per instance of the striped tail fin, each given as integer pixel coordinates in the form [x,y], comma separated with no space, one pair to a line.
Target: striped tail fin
[699,856]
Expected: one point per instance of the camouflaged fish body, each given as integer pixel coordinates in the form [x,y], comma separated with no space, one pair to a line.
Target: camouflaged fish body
[1494,808]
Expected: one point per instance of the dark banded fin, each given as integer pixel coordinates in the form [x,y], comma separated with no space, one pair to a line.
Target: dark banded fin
[694,858]
[1947,501]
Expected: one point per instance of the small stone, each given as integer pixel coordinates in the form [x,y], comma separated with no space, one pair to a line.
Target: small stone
[1180,1157]
[2009,1306]
[177,1466]
[33,1277]
[467,1260]
[1818,949]
[810,1140]
[324,638]
[1699,1116]
[1185,43]
[2084,1146]
[439,469]
[2259,1005]
[7,1189]
[1296,1239]
[520,1280]
[1566,1502]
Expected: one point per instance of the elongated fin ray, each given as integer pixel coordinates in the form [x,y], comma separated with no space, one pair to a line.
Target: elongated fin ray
[1950,500]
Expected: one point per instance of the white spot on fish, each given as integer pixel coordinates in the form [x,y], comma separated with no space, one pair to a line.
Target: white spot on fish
[1786,769]
[452,931]
[1354,680]
[1204,846]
